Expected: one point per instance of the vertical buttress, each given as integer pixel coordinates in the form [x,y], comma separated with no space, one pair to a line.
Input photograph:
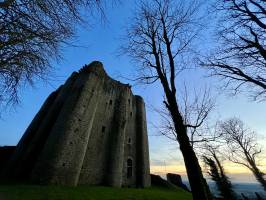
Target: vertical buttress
[142,148]
[117,138]
[33,140]
[62,158]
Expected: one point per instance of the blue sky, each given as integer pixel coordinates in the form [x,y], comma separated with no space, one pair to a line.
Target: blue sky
[100,42]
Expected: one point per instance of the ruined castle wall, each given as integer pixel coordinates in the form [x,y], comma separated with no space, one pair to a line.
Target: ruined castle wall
[5,154]
[130,145]
[65,148]
[119,125]
[143,165]
[85,133]
[14,166]
[95,162]
[37,144]
[32,142]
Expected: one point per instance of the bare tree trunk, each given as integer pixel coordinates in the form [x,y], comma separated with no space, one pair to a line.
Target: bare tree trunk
[259,176]
[156,40]
[196,180]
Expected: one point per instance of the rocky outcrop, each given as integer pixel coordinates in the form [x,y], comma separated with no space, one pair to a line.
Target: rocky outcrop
[176,179]
[173,181]
[158,181]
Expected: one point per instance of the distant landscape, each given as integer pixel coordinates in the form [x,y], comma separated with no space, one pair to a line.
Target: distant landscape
[246,188]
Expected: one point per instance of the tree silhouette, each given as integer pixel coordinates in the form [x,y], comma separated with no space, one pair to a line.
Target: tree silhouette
[158,39]
[241,57]
[244,149]
[31,34]
[195,108]
[217,174]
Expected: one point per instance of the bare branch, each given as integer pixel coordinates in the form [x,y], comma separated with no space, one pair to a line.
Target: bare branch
[31,35]
[164,29]
[243,146]
[240,59]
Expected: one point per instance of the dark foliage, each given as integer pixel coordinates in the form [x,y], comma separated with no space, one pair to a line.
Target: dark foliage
[31,32]
[217,174]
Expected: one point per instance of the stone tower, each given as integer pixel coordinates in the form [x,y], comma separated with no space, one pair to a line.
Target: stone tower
[91,130]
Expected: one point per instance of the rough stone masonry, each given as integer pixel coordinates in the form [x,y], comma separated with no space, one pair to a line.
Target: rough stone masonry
[91,130]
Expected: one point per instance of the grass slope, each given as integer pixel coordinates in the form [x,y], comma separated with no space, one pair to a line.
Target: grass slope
[30,192]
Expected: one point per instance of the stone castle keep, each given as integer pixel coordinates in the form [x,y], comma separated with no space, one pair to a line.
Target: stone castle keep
[91,130]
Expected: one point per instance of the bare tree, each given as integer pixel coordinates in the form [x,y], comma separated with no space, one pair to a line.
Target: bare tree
[241,57]
[244,149]
[159,39]
[31,33]
[216,171]
[195,108]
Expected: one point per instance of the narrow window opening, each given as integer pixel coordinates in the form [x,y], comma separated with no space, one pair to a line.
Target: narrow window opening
[129,168]
[131,114]
[110,102]
[103,129]
[63,164]
[129,141]
[128,101]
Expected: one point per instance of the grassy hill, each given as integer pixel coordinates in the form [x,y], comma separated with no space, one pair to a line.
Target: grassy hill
[30,192]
